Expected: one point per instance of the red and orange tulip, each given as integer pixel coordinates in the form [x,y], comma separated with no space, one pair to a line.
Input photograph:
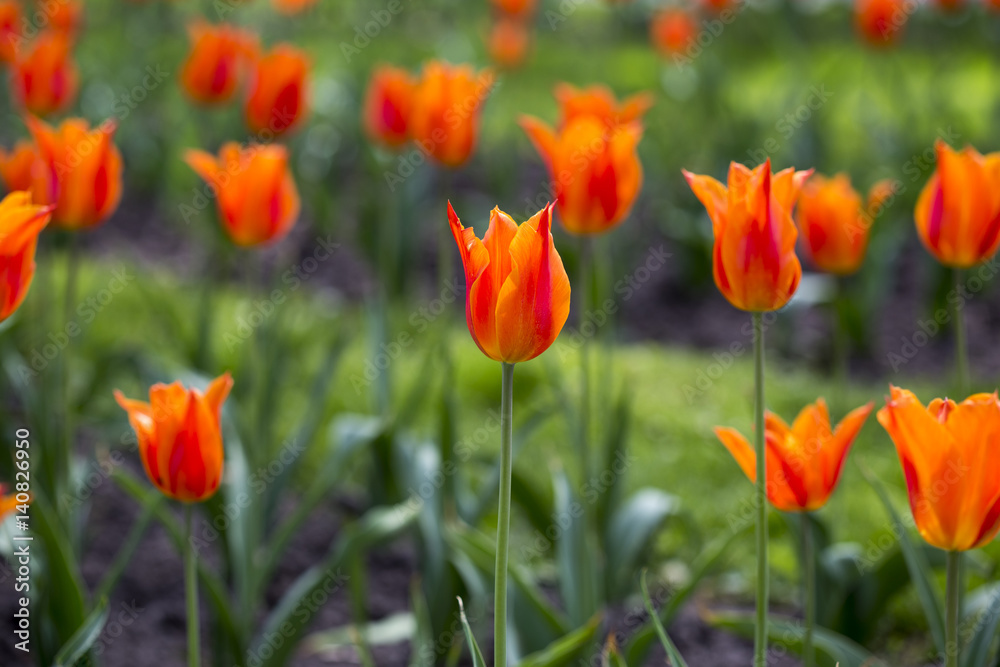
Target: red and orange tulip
[753,258]
[18,166]
[291,7]
[594,168]
[255,194]
[180,437]
[217,61]
[66,16]
[387,106]
[834,223]
[515,7]
[948,454]
[517,291]
[673,31]
[880,21]
[10,24]
[45,79]
[958,212]
[600,102]
[447,103]
[277,101]
[509,42]
[20,224]
[804,461]
[87,194]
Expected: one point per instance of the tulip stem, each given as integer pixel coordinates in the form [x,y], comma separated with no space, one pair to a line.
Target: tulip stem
[952,592]
[809,587]
[191,593]
[69,298]
[760,495]
[503,515]
[586,282]
[961,346]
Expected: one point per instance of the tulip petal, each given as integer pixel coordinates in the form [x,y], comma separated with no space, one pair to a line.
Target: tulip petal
[740,449]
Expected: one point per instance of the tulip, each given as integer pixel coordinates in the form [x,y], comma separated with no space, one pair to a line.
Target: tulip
[292,7]
[519,8]
[803,462]
[599,101]
[595,170]
[387,105]
[754,260]
[180,437]
[509,42]
[8,502]
[277,101]
[673,31]
[834,222]
[86,194]
[45,78]
[65,16]
[255,194]
[10,25]
[20,224]
[446,106]
[880,21]
[17,167]
[517,291]
[216,63]
[958,211]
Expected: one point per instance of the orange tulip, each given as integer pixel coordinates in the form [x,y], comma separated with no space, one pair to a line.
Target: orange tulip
[10,26]
[65,16]
[515,7]
[509,42]
[291,7]
[8,502]
[600,102]
[834,223]
[18,166]
[753,259]
[880,21]
[446,106]
[387,105]
[958,211]
[517,291]
[673,31]
[45,78]
[256,196]
[180,437]
[803,462]
[594,170]
[20,224]
[219,56]
[80,171]
[948,453]
[277,99]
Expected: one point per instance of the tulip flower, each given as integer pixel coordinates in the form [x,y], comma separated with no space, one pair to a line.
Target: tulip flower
[447,102]
[880,21]
[804,460]
[594,169]
[65,16]
[255,194]
[673,31]
[89,192]
[10,25]
[958,212]
[387,106]
[277,101]
[600,102]
[20,224]
[509,42]
[217,61]
[515,8]
[292,7]
[754,260]
[834,223]
[8,502]
[17,166]
[45,79]
[518,293]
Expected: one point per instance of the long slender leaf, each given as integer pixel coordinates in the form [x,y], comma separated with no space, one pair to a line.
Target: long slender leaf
[631,529]
[577,580]
[674,657]
[977,651]
[477,656]
[124,555]
[85,636]
[566,649]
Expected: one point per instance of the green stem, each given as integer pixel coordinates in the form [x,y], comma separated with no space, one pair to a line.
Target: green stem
[809,590]
[840,342]
[961,347]
[503,516]
[953,592]
[191,593]
[586,267]
[69,299]
[760,495]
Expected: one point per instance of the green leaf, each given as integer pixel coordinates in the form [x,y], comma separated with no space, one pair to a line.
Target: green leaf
[977,651]
[612,655]
[615,460]
[477,656]
[673,655]
[85,636]
[389,630]
[124,555]
[630,532]
[566,649]
[577,581]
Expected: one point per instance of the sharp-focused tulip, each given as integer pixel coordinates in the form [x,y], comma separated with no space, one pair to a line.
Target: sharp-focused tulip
[803,462]
[509,42]
[673,31]
[18,166]
[217,61]
[10,21]
[180,437]
[519,8]
[834,223]
[255,194]
[388,102]
[45,79]
[277,101]
[948,453]
[79,170]
[594,169]
[880,22]
[447,103]
[958,212]
[600,102]
[291,7]
[753,258]
[20,223]
[517,291]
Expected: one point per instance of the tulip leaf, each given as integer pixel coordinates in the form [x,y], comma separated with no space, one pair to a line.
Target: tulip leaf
[615,461]
[612,655]
[85,636]
[674,657]
[124,555]
[574,554]
[566,649]
[477,656]
[977,652]
[631,530]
